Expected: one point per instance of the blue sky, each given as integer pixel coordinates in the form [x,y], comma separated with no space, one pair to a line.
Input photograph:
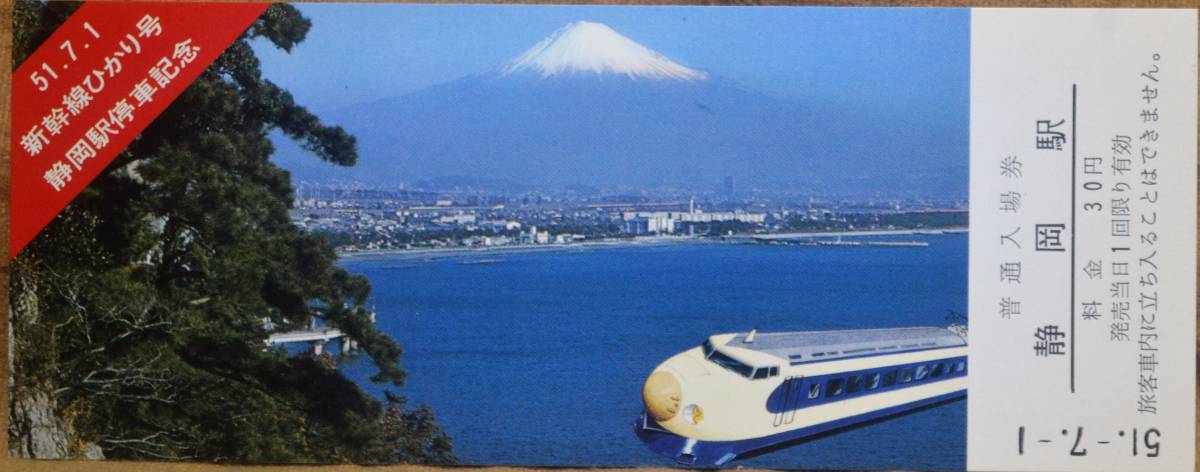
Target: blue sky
[900,62]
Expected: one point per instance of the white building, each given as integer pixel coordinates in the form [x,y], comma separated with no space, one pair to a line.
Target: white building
[459,219]
[533,236]
[664,222]
[649,223]
[567,238]
[501,225]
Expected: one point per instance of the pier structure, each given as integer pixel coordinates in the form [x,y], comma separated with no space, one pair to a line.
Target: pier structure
[316,336]
[822,241]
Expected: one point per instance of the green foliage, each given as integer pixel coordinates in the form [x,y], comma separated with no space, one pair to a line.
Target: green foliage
[141,305]
[417,437]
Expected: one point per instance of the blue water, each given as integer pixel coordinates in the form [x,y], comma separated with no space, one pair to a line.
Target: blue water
[539,358]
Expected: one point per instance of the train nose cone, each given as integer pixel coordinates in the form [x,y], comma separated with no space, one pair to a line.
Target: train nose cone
[662,395]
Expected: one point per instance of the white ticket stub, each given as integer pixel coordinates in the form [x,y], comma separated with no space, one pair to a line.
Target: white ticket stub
[1083,237]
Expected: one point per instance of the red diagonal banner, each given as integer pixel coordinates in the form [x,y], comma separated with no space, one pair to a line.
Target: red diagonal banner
[99,80]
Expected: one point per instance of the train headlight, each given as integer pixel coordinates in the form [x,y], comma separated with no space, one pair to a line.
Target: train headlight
[662,395]
[693,413]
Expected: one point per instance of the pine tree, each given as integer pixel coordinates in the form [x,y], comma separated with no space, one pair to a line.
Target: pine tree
[139,309]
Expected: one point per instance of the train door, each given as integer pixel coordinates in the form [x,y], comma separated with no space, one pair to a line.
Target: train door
[793,401]
[789,400]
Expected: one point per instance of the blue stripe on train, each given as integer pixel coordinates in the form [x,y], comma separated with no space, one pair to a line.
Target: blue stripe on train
[716,453]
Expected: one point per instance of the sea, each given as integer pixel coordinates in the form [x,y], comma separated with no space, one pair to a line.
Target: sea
[538,357]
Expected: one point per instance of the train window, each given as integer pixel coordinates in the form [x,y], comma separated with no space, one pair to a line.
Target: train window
[854,384]
[834,387]
[730,363]
[889,378]
[922,372]
[960,366]
[937,371]
[873,381]
[814,390]
[764,372]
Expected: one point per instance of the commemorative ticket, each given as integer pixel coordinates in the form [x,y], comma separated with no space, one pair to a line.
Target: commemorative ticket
[602,236]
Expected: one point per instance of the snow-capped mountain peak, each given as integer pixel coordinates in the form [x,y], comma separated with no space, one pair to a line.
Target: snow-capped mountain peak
[586,47]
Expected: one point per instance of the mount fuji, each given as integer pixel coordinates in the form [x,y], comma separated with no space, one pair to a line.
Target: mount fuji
[584,47]
[589,106]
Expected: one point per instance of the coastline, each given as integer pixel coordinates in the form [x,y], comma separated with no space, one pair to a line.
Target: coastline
[622,243]
[892,232]
[515,248]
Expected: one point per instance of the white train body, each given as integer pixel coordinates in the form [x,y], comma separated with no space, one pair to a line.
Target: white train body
[739,394]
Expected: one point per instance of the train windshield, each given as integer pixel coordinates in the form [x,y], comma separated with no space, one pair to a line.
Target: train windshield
[730,363]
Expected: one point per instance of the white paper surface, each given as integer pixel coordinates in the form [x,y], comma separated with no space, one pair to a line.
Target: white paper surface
[1077,394]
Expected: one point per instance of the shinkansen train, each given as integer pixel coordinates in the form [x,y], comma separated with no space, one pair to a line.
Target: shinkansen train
[740,394]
